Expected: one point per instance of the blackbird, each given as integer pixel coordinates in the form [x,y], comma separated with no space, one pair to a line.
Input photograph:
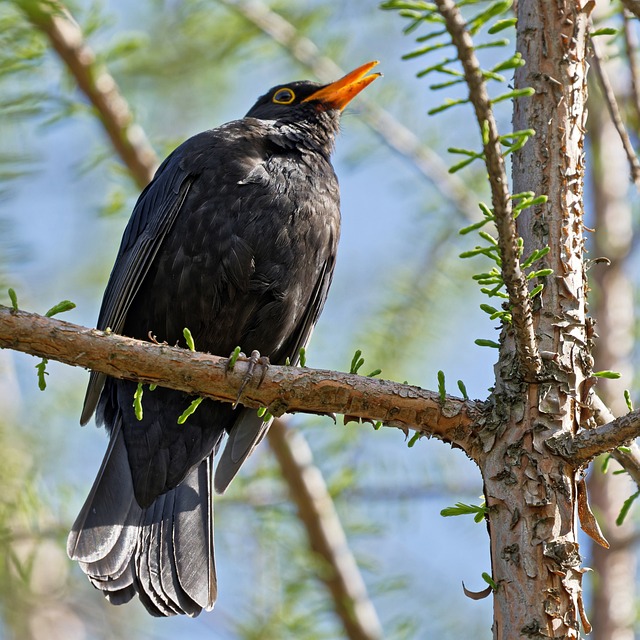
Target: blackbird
[235,239]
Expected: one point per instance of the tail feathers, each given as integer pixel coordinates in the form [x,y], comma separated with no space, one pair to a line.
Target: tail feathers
[163,553]
[246,434]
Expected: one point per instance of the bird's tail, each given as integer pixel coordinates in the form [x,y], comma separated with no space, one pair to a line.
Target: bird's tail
[163,553]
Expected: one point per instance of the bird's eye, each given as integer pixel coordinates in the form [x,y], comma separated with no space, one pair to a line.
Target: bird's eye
[284,96]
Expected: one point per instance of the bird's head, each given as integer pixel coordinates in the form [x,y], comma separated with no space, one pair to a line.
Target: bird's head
[311,106]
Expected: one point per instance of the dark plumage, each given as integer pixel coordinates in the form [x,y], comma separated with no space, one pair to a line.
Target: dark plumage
[235,238]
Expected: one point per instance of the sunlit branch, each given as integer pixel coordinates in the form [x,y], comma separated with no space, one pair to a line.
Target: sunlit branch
[513,276]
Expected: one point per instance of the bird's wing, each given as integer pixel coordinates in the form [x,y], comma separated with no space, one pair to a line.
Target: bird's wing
[152,217]
[250,429]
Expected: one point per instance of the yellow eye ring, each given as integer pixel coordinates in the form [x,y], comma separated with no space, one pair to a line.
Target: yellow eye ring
[284,96]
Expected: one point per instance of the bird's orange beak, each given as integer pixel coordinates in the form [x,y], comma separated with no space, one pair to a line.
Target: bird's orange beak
[340,93]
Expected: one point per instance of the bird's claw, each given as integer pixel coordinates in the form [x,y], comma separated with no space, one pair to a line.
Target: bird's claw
[254,359]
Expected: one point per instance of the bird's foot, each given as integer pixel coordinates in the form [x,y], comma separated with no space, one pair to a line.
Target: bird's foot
[254,359]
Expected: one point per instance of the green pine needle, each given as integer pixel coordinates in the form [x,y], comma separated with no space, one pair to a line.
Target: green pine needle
[137,402]
[189,410]
[625,508]
[189,339]
[233,358]
[14,299]
[414,439]
[61,307]
[41,368]
[627,399]
[463,389]
[481,342]
[489,580]
[610,375]
[442,392]
[356,361]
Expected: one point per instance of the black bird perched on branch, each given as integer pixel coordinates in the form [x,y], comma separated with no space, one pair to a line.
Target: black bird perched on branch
[235,238]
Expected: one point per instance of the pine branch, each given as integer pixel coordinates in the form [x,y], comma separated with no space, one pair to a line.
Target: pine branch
[393,133]
[513,276]
[284,389]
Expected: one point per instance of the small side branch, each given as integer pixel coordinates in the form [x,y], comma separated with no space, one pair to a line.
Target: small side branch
[614,111]
[97,84]
[283,389]
[582,447]
[513,276]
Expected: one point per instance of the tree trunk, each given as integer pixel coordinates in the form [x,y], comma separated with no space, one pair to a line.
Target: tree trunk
[531,493]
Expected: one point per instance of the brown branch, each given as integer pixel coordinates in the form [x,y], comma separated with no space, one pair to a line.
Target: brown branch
[513,276]
[97,84]
[631,45]
[326,535]
[284,389]
[628,460]
[614,112]
[393,133]
[582,447]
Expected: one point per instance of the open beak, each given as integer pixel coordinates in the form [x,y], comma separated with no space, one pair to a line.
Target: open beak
[340,93]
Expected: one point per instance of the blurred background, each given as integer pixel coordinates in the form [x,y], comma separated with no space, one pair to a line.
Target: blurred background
[400,294]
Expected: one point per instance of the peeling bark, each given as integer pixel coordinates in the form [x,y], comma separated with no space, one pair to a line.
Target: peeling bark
[531,494]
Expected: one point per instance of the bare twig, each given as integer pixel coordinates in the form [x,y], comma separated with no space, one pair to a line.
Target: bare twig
[512,274]
[631,46]
[97,84]
[614,111]
[394,134]
[326,535]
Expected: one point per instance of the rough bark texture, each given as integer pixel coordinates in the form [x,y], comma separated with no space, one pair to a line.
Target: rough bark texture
[283,389]
[614,593]
[531,494]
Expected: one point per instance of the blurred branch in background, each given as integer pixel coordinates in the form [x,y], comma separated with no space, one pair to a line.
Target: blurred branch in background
[394,134]
[93,79]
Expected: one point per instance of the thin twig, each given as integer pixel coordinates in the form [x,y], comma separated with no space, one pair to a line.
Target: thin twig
[631,46]
[394,134]
[610,433]
[628,460]
[512,274]
[614,111]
